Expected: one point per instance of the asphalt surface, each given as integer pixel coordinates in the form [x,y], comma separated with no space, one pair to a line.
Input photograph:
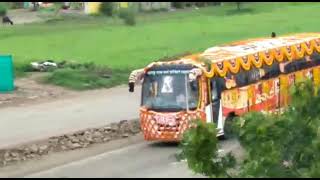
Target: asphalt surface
[94,108]
[141,160]
[91,109]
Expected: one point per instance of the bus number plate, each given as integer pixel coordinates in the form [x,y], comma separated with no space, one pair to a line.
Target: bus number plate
[165,120]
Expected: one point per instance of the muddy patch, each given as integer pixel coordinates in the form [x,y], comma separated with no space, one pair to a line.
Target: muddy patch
[30,90]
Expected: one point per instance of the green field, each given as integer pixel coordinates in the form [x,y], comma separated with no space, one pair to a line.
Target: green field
[109,42]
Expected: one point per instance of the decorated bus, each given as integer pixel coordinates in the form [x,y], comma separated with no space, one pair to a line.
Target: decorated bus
[223,82]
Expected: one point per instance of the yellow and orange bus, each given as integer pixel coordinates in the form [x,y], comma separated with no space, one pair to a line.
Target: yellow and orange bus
[223,82]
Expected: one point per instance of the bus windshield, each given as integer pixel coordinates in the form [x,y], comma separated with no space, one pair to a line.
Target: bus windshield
[172,92]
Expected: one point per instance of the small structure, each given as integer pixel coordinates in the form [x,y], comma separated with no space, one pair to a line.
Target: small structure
[151,6]
[6,74]
[91,7]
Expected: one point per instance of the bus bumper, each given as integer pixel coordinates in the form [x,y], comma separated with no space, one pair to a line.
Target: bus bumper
[153,131]
[167,127]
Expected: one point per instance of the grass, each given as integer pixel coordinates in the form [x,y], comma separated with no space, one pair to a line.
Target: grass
[84,79]
[107,41]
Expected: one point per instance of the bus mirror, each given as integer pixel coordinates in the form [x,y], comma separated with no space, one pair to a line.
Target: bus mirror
[131,87]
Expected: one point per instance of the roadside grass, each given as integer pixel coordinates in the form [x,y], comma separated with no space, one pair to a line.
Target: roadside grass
[108,42]
[84,79]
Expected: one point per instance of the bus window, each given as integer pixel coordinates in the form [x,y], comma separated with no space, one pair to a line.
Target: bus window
[217,86]
[303,63]
[255,74]
[289,67]
[239,78]
[271,71]
[300,64]
[315,58]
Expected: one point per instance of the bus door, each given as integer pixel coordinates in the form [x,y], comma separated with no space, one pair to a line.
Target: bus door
[213,108]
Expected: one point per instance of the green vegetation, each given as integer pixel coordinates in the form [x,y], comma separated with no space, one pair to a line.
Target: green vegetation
[200,147]
[107,41]
[128,15]
[285,145]
[178,5]
[107,8]
[85,79]
[3,10]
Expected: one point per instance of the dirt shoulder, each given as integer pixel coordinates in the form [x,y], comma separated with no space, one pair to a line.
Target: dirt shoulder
[35,111]
[30,91]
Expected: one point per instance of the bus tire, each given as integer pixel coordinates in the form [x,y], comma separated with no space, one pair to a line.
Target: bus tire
[227,126]
[222,137]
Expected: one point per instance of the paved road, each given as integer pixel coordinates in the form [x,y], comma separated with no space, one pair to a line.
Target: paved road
[92,109]
[141,160]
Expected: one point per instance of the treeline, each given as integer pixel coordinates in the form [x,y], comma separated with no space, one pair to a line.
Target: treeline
[180,5]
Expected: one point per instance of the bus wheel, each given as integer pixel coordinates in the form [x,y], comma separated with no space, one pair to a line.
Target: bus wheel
[222,137]
[227,128]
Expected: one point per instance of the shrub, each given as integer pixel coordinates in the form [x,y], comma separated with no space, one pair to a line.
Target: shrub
[121,13]
[16,5]
[277,145]
[21,69]
[178,5]
[76,5]
[128,15]
[106,8]
[201,4]
[164,9]
[200,148]
[3,10]
[86,76]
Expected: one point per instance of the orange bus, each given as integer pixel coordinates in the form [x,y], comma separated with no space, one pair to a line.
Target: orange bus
[223,82]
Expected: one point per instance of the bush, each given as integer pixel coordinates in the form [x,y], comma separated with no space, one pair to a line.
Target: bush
[128,15]
[200,148]
[76,5]
[21,69]
[201,4]
[288,143]
[277,145]
[16,5]
[107,8]
[3,10]
[86,76]
[178,5]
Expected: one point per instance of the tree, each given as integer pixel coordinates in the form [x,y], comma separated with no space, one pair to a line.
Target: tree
[276,145]
[3,10]
[107,8]
[238,5]
[200,148]
[35,6]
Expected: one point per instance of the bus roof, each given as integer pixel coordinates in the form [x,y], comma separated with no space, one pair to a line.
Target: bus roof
[253,52]
[259,51]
